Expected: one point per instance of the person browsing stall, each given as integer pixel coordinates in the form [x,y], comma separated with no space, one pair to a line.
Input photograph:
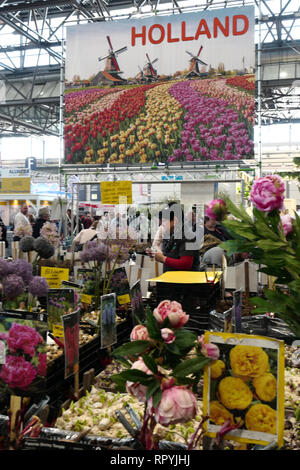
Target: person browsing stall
[179,249]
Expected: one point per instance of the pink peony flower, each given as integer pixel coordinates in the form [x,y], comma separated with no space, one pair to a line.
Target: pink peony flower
[173,311]
[178,404]
[139,332]
[287,224]
[23,337]
[16,372]
[208,349]
[168,335]
[267,193]
[216,209]
[135,388]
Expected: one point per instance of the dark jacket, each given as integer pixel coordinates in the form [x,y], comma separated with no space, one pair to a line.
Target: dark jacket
[4,232]
[178,245]
[37,227]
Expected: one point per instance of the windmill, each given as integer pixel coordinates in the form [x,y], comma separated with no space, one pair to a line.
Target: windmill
[194,64]
[140,77]
[149,71]
[111,70]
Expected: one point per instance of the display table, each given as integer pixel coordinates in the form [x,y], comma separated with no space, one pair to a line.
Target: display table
[197,291]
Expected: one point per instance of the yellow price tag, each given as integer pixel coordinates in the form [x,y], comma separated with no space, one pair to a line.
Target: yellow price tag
[58,331]
[123,299]
[54,276]
[86,299]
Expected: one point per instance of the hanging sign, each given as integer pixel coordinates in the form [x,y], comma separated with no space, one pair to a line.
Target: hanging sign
[14,181]
[116,192]
[163,89]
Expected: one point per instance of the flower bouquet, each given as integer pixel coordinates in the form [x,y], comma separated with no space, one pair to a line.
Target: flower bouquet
[273,241]
[164,365]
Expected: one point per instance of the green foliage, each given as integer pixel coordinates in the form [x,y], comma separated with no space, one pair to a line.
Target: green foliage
[163,360]
[278,255]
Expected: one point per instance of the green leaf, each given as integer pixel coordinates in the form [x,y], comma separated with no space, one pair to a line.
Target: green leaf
[136,375]
[190,366]
[152,325]
[173,349]
[152,388]
[185,339]
[245,230]
[132,348]
[238,212]
[237,246]
[150,363]
[120,381]
[125,363]
[259,301]
[270,245]
[264,231]
[156,397]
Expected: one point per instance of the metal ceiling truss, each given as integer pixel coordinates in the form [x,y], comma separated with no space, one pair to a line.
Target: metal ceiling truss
[35,29]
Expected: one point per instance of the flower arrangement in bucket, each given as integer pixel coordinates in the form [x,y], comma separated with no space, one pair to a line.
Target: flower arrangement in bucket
[165,363]
[110,251]
[273,240]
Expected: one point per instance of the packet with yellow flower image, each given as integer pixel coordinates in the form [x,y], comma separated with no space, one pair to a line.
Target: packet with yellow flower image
[244,388]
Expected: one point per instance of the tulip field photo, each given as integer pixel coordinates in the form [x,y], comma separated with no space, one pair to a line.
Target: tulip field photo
[243,389]
[166,89]
[177,121]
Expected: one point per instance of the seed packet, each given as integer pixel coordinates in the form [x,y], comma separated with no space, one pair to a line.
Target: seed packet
[244,388]
[108,320]
[59,303]
[23,356]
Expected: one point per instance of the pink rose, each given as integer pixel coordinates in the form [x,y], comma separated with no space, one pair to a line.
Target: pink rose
[139,332]
[287,224]
[209,350]
[135,388]
[173,311]
[216,209]
[267,193]
[178,404]
[167,335]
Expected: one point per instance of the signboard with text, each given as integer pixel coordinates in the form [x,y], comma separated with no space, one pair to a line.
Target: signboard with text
[161,89]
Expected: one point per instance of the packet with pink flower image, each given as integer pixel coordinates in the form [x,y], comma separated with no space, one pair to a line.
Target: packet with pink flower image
[59,303]
[71,342]
[23,356]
